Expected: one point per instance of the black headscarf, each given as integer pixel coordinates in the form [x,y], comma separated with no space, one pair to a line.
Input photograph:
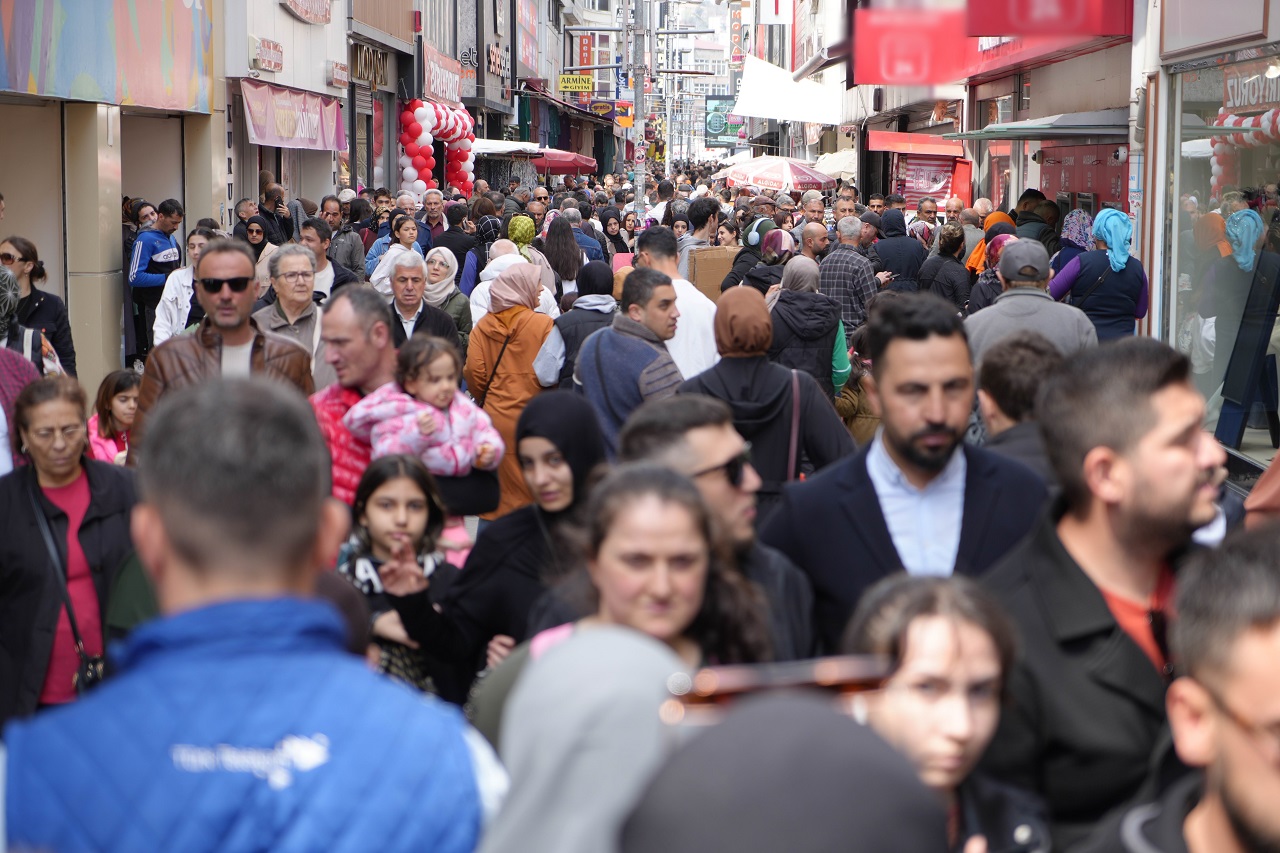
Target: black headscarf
[615,240]
[996,230]
[569,422]
[266,229]
[595,279]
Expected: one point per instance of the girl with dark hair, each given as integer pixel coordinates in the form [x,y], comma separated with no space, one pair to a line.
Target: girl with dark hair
[113,414]
[681,225]
[950,650]
[515,558]
[404,238]
[727,232]
[50,650]
[398,519]
[630,222]
[565,256]
[611,220]
[38,309]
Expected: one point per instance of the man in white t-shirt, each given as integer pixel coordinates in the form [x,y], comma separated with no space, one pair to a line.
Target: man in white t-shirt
[226,343]
[693,348]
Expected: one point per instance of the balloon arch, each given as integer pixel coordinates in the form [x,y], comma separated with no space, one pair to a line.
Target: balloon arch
[423,123]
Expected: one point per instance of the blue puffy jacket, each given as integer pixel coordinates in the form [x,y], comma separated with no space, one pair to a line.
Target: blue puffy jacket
[243,726]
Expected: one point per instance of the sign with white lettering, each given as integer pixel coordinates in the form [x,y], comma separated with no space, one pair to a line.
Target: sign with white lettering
[1246,88]
[267,55]
[443,77]
[286,118]
[339,75]
[311,11]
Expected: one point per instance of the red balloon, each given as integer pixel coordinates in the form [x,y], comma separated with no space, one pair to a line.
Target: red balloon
[406,119]
[377,148]
[412,149]
[405,139]
[416,104]
[414,130]
[431,162]
[419,163]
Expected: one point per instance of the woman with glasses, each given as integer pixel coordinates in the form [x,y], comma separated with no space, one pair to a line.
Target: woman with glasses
[767,399]
[950,650]
[38,309]
[442,293]
[256,228]
[179,309]
[55,587]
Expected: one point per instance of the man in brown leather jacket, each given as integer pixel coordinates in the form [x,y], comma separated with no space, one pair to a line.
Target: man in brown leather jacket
[227,342]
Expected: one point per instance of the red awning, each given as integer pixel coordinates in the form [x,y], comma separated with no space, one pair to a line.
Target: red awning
[913,143]
[553,161]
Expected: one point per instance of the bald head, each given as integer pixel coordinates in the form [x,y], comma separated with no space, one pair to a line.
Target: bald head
[969,216]
[502,247]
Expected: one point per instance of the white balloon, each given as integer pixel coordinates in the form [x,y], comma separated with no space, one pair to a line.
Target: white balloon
[420,187]
[1216,170]
[410,174]
[420,115]
[405,160]
[429,121]
[425,140]
[379,173]
[464,144]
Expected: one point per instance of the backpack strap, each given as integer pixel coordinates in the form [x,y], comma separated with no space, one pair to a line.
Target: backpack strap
[794,445]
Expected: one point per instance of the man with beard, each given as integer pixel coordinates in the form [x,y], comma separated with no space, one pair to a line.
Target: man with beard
[916,498]
[1091,588]
[1223,710]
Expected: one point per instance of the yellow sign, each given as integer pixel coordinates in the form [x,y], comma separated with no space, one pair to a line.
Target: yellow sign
[577,83]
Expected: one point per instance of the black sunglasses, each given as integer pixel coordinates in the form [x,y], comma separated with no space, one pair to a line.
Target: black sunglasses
[214,285]
[734,469]
[6,258]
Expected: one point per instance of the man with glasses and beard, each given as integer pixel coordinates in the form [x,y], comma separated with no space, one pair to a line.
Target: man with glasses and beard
[1091,589]
[226,343]
[916,498]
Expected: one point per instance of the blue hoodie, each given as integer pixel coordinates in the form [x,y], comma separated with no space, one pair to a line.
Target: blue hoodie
[155,255]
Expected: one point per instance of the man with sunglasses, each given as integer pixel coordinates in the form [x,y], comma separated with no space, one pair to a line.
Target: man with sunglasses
[226,343]
[1224,712]
[1091,588]
[694,435]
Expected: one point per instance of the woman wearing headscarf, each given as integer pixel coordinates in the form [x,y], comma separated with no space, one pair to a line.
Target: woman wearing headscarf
[776,249]
[488,230]
[522,232]
[611,221]
[988,286]
[1107,284]
[558,443]
[808,334]
[1211,243]
[255,229]
[442,293]
[977,261]
[761,395]
[500,370]
[753,234]
[593,308]
[1076,238]
[901,253]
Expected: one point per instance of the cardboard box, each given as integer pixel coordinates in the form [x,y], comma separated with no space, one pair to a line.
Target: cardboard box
[709,265]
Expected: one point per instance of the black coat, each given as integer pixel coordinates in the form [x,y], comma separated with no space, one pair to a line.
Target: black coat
[1149,827]
[1025,443]
[763,276]
[804,334]
[46,313]
[759,394]
[743,262]
[948,277]
[31,601]
[1086,710]
[432,320]
[832,528]
[1011,819]
[900,253]
[459,242]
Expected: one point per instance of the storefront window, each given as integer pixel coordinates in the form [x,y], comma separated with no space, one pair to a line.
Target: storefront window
[1224,278]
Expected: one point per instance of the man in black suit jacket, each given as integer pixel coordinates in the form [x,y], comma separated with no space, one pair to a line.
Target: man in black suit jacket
[1090,590]
[412,313]
[454,238]
[915,498]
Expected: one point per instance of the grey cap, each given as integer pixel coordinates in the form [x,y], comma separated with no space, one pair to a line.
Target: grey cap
[870,217]
[346,196]
[811,195]
[1024,260]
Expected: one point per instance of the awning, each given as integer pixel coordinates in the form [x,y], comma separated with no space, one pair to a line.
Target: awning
[839,164]
[291,118]
[502,148]
[740,157]
[913,143]
[553,161]
[574,110]
[1113,123]
[769,92]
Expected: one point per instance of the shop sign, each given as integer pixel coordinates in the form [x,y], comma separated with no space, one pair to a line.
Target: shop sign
[1056,18]
[577,83]
[1246,88]
[287,118]
[887,46]
[443,75]
[267,55]
[500,60]
[311,11]
[604,109]
[736,50]
[584,50]
[527,23]
[339,75]
[625,113]
[370,65]
[721,124]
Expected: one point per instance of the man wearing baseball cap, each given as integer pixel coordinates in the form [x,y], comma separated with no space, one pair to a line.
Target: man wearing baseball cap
[867,240]
[1025,305]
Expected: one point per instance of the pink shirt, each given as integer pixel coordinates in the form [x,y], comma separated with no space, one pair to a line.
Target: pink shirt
[59,685]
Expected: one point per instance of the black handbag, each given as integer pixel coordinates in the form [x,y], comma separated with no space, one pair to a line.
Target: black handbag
[89,671]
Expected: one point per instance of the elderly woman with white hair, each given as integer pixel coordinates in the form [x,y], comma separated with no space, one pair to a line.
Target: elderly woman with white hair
[442,293]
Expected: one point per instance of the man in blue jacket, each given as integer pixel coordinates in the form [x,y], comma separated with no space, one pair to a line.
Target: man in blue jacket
[155,255]
[238,721]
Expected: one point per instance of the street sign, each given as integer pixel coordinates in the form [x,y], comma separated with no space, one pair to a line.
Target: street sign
[577,83]
[639,156]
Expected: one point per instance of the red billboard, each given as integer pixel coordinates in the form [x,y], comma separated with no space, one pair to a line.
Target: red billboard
[909,47]
[1057,18]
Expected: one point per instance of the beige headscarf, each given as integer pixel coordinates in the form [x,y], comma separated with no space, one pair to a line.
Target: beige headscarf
[519,284]
[437,293]
[800,274]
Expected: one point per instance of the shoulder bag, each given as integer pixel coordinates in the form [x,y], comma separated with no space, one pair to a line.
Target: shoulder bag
[1067,297]
[493,374]
[89,672]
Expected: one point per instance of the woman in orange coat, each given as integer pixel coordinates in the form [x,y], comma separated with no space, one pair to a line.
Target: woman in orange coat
[499,369]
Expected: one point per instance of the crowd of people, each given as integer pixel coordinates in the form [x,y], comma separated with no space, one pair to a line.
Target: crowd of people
[475,524]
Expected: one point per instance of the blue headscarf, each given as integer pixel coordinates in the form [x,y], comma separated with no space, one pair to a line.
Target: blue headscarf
[1114,228]
[1244,227]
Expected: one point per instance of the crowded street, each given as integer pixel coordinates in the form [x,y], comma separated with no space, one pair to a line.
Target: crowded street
[639,426]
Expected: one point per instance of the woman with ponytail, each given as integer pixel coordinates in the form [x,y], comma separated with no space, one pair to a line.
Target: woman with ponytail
[39,309]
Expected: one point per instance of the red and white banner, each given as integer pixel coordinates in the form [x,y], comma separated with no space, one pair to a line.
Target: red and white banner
[920,175]
[584,50]
[443,77]
[288,118]
[1055,18]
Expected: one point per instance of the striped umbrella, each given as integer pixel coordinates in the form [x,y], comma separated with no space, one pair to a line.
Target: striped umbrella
[779,173]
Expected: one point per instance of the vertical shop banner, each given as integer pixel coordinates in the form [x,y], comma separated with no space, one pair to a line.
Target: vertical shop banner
[287,118]
[909,47]
[584,50]
[527,23]
[735,35]
[1056,18]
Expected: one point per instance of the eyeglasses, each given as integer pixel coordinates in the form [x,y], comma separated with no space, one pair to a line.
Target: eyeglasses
[6,258]
[1265,737]
[734,469]
[253,231]
[69,433]
[542,198]
[295,277]
[214,285]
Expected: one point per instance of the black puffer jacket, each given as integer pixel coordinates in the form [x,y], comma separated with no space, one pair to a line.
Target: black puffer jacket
[759,393]
[743,262]
[804,334]
[763,276]
[46,313]
[901,254]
